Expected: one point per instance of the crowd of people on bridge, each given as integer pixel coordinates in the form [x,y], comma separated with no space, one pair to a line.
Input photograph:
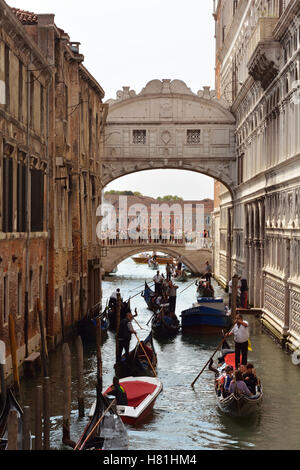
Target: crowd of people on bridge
[133,236]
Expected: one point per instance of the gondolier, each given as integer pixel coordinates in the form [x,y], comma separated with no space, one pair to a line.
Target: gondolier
[124,336]
[240,332]
[208,272]
[171,292]
[158,279]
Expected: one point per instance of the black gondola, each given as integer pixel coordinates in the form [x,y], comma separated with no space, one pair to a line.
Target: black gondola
[112,313]
[103,432]
[10,404]
[163,329]
[137,365]
[87,326]
[149,296]
[236,404]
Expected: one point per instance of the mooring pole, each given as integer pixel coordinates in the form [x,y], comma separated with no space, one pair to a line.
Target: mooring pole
[80,381]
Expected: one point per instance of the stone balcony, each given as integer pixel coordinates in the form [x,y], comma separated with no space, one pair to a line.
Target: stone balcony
[264,52]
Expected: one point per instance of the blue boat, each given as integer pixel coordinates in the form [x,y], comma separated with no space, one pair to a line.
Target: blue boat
[208,315]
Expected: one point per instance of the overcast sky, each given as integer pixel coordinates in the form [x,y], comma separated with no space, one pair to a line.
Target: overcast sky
[132,42]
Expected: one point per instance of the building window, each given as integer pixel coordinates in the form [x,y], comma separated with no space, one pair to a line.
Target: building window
[139,137]
[7,76]
[21,198]
[20,97]
[7,199]
[240,169]
[193,136]
[37,200]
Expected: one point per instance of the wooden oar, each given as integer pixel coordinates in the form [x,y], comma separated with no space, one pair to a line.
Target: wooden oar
[151,318]
[138,293]
[2,375]
[193,282]
[96,425]
[219,346]
[150,364]
[138,324]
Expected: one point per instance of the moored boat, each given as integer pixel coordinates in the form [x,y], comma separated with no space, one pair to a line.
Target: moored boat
[105,430]
[137,364]
[142,393]
[206,316]
[161,259]
[10,404]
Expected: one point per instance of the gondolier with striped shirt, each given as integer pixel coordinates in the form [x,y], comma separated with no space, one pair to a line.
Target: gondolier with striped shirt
[240,333]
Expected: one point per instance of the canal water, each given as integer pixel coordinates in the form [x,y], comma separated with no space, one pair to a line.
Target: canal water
[185,418]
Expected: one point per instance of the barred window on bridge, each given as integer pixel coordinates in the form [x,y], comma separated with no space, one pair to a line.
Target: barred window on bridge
[193,136]
[139,136]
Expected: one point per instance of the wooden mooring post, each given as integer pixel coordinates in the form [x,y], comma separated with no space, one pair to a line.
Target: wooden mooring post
[46,412]
[12,430]
[66,369]
[80,381]
[38,445]
[235,281]
[99,355]
[118,316]
[13,347]
[2,374]
[44,352]
[26,428]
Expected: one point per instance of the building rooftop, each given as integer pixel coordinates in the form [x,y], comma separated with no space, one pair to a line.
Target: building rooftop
[25,17]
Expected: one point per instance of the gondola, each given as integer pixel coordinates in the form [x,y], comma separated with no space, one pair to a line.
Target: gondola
[112,314]
[137,365]
[109,434]
[87,326]
[142,393]
[10,404]
[148,296]
[161,329]
[183,277]
[236,404]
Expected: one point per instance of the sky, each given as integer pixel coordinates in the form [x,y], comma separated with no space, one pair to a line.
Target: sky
[129,43]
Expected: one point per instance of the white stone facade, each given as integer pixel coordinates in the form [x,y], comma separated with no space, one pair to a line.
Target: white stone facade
[166,125]
[258,52]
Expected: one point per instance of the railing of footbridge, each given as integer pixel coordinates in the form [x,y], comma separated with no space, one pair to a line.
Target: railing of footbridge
[187,242]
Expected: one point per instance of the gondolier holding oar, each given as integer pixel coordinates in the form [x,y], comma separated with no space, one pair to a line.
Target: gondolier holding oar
[240,333]
[125,331]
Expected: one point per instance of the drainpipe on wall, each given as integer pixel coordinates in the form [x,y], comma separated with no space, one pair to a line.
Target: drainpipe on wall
[48,203]
[28,214]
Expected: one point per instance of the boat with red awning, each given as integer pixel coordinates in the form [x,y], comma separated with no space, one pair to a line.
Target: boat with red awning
[142,393]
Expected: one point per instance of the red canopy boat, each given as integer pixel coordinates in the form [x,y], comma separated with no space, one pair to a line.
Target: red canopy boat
[141,395]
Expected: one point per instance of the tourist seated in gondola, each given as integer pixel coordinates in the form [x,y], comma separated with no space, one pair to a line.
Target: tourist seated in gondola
[238,385]
[250,378]
[207,291]
[227,380]
[118,392]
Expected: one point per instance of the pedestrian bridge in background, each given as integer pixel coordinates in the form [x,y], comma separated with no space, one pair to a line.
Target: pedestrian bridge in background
[194,257]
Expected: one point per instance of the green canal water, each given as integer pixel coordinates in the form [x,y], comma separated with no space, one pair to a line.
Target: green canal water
[184,418]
